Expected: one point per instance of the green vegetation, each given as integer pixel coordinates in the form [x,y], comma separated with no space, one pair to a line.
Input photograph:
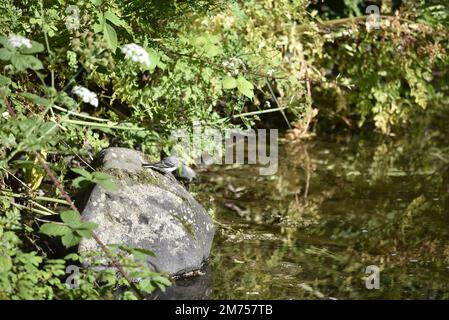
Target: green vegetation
[71,85]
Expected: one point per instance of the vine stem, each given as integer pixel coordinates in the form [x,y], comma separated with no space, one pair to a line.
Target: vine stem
[70,202]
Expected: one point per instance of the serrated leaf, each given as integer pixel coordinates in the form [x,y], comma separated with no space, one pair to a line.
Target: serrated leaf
[154,59]
[70,240]
[5,54]
[54,229]
[4,41]
[35,48]
[141,254]
[145,252]
[245,87]
[23,62]
[211,50]
[73,257]
[5,264]
[37,99]
[64,99]
[162,280]
[88,225]
[86,229]
[96,2]
[5,81]
[72,218]
[97,175]
[146,286]
[229,83]
[105,180]
[98,27]
[111,17]
[110,36]
[82,172]
[85,233]
[81,182]
[108,185]
[33,63]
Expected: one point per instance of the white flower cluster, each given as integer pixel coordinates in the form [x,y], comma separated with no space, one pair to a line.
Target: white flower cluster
[136,53]
[232,65]
[72,21]
[18,41]
[85,94]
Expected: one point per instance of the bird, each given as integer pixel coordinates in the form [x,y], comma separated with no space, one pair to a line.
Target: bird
[166,165]
[185,173]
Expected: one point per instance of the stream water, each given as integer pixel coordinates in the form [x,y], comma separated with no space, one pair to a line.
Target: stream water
[333,209]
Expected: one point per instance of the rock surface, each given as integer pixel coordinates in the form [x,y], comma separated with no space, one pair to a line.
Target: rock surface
[149,211]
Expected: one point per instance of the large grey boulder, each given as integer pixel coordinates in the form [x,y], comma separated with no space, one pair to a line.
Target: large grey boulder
[149,211]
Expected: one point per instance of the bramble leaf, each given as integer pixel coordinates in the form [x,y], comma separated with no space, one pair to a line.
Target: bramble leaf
[54,229]
[71,218]
[229,83]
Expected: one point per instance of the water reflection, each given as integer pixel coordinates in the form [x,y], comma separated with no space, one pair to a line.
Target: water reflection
[333,209]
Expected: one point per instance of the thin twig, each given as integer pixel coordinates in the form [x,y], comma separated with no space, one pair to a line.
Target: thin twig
[252,113]
[277,103]
[42,212]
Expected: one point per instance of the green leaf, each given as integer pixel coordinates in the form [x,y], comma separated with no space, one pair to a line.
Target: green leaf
[105,180]
[72,218]
[86,229]
[109,185]
[142,254]
[146,286]
[37,99]
[35,48]
[70,240]
[96,2]
[162,280]
[5,54]
[81,182]
[154,59]
[5,264]
[54,229]
[211,50]
[88,225]
[73,257]
[33,63]
[4,41]
[98,27]
[101,176]
[111,17]
[82,172]
[85,233]
[245,87]
[64,99]
[145,252]
[4,81]
[23,62]
[229,83]
[110,36]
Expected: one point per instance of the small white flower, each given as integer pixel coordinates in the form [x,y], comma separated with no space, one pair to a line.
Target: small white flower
[136,53]
[72,21]
[6,115]
[18,41]
[85,94]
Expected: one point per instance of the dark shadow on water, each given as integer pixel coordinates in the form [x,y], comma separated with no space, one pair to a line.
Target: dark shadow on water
[193,288]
